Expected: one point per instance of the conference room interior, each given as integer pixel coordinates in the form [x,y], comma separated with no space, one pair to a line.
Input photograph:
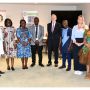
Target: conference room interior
[46,76]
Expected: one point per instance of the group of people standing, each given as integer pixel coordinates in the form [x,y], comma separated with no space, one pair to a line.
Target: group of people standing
[22,43]
[26,41]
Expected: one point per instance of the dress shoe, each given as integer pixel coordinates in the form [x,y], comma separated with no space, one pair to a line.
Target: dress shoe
[2,72]
[56,65]
[68,69]
[41,65]
[49,64]
[33,64]
[23,67]
[61,67]
[26,67]
[12,68]
[8,68]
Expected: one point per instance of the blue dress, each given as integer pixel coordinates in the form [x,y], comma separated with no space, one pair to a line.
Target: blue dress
[23,35]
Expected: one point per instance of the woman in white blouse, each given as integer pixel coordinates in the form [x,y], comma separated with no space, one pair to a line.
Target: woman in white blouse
[78,38]
[1,46]
[1,42]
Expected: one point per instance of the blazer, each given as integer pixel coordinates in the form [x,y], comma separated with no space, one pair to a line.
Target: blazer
[40,35]
[54,37]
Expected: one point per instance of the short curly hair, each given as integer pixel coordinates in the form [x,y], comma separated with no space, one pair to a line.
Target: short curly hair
[6,20]
[22,20]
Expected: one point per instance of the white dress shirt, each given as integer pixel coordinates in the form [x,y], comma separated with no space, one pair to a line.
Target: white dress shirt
[53,25]
[37,31]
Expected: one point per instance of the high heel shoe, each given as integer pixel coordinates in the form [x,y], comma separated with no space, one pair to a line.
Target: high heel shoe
[8,68]
[26,67]
[12,68]
[2,72]
[23,67]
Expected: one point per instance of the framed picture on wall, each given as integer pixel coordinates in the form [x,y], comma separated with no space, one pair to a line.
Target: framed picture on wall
[29,16]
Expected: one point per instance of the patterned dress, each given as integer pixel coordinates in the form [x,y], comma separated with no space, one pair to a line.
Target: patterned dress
[22,50]
[86,50]
[9,33]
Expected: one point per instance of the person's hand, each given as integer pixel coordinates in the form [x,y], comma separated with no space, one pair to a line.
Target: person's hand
[5,49]
[37,42]
[79,44]
[76,43]
[5,35]
[29,40]
[18,40]
[15,45]
[69,49]
[25,43]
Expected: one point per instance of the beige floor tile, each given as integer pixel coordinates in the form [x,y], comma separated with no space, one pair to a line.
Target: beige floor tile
[40,77]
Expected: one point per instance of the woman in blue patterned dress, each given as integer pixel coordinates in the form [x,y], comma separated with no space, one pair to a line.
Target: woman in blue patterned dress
[23,46]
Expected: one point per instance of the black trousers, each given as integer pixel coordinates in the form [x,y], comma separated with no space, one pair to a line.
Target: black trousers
[55,50]
[77,65]
[35,48]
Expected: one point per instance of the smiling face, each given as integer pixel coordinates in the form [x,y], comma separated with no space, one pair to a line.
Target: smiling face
[8,23]
[80,20]
[65,23]
[53,18]
[23,23]
[36,20]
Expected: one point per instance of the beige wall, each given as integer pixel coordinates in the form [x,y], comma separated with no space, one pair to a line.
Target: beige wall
[14,11]
[85,11]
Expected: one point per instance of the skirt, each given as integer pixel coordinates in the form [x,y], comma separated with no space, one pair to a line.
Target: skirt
[84,56]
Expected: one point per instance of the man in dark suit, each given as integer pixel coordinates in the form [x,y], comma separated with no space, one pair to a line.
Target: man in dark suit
[54,33]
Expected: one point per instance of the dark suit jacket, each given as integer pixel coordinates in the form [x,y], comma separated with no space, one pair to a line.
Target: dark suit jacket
[54,38]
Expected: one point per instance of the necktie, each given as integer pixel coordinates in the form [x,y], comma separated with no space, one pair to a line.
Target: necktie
[36,30]
[52,26]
